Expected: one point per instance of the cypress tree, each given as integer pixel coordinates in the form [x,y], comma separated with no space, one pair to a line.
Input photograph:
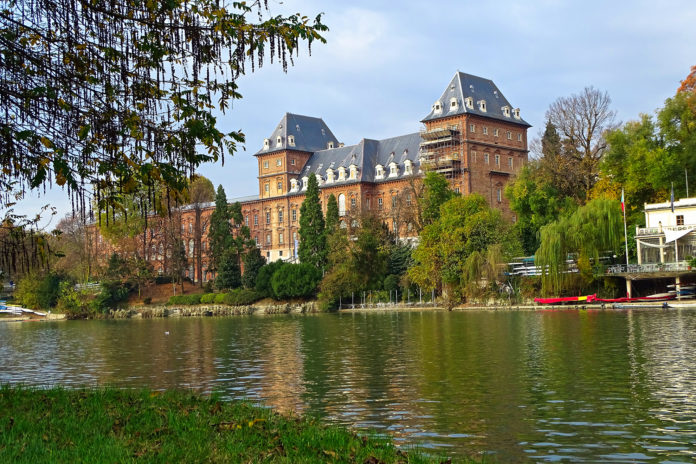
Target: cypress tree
[332,217]
[220,235]
[312,248]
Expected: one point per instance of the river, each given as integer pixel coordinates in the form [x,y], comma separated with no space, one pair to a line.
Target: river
[541,386]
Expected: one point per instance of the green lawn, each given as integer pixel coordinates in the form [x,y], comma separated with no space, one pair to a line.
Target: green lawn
[116,426]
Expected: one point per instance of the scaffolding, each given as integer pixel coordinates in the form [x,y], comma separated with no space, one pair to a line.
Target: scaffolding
[440,150]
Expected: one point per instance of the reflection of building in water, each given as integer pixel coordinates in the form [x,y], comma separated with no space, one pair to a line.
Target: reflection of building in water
[281,383]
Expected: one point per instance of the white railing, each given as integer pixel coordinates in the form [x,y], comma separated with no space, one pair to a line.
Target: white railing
[662,229]
[643,268]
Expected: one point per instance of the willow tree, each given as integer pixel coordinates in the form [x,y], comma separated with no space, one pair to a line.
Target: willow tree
[591,231]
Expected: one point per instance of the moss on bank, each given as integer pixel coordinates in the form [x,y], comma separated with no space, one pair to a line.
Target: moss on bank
[110,425]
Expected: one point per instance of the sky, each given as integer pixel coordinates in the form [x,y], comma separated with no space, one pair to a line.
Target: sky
[385,63]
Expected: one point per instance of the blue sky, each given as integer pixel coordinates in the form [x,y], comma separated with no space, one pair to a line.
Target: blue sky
[384,65]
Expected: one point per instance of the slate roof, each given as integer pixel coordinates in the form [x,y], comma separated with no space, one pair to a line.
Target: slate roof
[311,134]
[465,85]
[366,155]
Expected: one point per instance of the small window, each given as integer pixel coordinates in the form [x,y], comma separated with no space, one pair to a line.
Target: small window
[456,190]
[268,239]
[485,158]
[472,128]
[408,199]
[469,102]
[393,202]
[280,187]
[680,220]
[510,162]
[516,113]
[497,160]
[279,141]
[279,162]
[482,105]
[268,217]
[519,137]
[509,135]
[352,202]
[256,219]
[495,132]
[293,215]
[266,144]
[280,216]
[292,161]
[246,220]
[500,195]
[330,145]
[379,203]
[281,238]
[266,188]
[485,130]
[280,253]
[265,164]
[291,140]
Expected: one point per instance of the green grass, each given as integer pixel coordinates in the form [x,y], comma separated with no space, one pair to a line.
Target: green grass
[111,425]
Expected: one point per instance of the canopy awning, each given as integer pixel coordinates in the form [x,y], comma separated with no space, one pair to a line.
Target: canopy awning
[672,235]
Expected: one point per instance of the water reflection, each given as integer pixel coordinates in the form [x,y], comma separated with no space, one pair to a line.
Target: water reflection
[545,386]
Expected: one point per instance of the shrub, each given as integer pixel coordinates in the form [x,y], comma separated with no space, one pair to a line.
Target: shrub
[241,297]
[295,281]
[111,295]
[263,278]
[219,298]
[147,300]
[208,298]
[37,291]
[163,279]
[75,304]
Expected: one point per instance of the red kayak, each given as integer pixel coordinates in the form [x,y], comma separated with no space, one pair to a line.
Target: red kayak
[569,299]
[663,297]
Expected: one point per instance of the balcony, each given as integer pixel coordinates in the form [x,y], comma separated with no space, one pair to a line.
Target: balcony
[652,270]
[652,231]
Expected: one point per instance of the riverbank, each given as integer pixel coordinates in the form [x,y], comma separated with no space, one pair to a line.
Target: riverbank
[110,425]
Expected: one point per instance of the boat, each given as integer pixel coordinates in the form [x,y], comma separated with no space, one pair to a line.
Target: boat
[651,298]
[568,299]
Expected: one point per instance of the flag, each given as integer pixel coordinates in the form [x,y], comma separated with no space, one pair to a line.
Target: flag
[671,198]
[623,204]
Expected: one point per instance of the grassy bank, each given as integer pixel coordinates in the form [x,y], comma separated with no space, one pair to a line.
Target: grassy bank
[109,425]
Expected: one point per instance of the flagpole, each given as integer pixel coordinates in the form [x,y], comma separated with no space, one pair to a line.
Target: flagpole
[623,207]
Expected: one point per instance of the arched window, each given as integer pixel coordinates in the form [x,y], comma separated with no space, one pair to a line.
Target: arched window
[342,204]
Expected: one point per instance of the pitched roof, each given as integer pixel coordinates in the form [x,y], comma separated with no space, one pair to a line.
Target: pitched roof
[366,155]
[465,85]
[311,134]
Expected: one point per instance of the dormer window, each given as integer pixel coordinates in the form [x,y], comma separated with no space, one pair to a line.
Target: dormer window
[330,144]
[393,169]
[329,176]
[506,111]
[279,141]
[291,140]
[293,185]
[353,171]
[266,144]
[516,113]
[305,182]
[379,172]
[437,107]
[469,102]
[453,104]
[482,105]
[320,180]
[341,173]
[408,168]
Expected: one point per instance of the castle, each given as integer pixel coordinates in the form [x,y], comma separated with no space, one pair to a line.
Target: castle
[472,135]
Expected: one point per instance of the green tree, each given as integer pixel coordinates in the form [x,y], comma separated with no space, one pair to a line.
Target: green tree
[312,248]
[436,191]
[114,95]
[591,231]
[220,235]
[229,274]
[253,262]
[332,215]
[467,227]
[263,279]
